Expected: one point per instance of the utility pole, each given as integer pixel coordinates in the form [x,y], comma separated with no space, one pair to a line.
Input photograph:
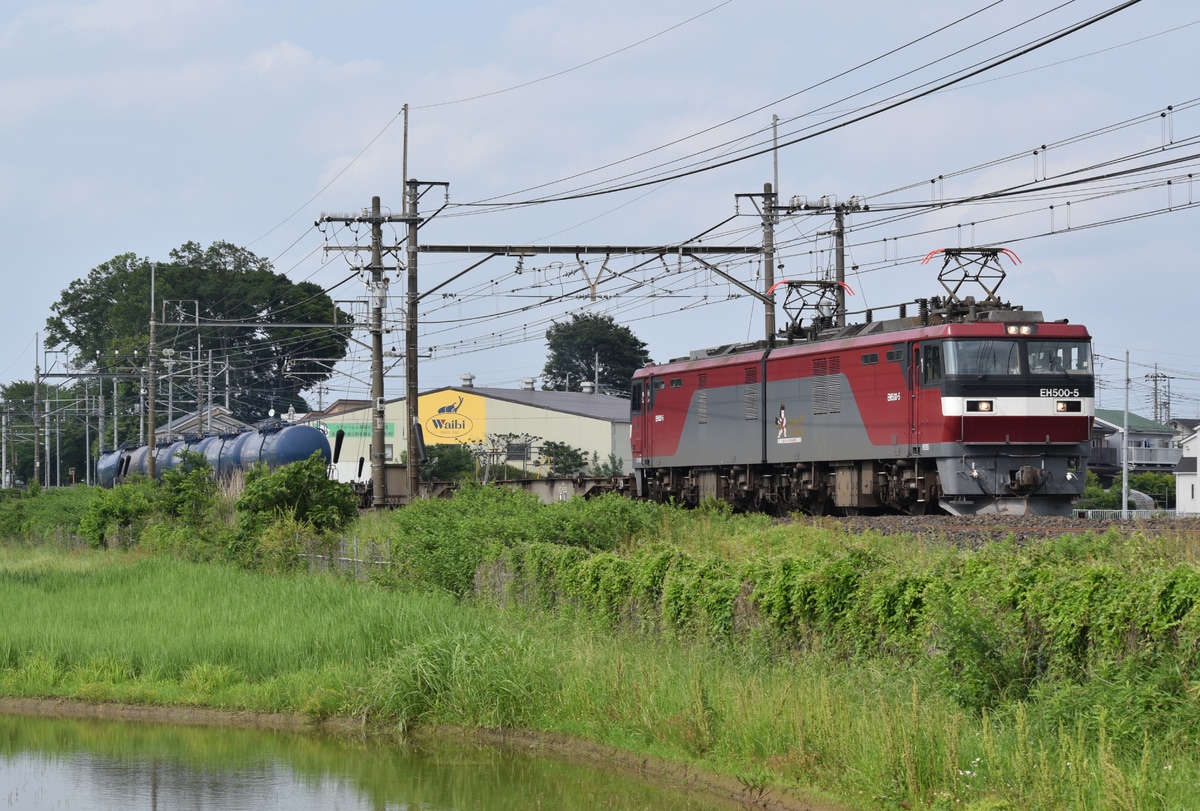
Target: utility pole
[769,217]
[839,241]
[1162,407]
[377,290]
[37,372]
[1125,447]
[412,390]
[99,407]
[826,204]
[151,461]
[378,297]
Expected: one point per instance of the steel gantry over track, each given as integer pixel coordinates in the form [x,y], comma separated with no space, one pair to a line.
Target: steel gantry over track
[688,250]
[692,249]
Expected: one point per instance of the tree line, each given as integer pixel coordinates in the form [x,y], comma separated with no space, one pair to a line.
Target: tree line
[230,331]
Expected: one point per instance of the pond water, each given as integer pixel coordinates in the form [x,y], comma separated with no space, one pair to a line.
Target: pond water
[91,765]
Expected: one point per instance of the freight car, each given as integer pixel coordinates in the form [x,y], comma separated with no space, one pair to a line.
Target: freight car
[272,443]
[971,406]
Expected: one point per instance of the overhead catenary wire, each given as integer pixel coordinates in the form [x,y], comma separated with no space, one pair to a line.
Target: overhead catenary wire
[918,211]
[861,115]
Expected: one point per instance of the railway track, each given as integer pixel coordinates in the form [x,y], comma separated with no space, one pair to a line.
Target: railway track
[977,530]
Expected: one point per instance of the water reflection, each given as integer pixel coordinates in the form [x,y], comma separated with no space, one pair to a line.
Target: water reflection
[89,765]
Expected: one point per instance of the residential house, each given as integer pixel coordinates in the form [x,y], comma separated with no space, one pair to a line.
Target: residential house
[1152,447]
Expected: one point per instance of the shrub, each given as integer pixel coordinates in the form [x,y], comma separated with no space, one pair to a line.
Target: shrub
[121,511]
[301,490]
[39,516]
[599,523]
[283,543]
[441,541]
[188,489]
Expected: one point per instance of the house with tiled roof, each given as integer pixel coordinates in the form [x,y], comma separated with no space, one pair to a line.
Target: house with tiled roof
[1152,447]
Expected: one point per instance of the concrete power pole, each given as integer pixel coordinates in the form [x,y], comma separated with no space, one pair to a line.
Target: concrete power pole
[770,213]
[839,238]
[377,291]
[37,377]
[1162,406]
[151,460]
[826,204]
[378,297]
[411,388]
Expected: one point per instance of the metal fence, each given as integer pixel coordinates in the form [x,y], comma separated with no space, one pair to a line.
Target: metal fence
[351,557]
[1132,515]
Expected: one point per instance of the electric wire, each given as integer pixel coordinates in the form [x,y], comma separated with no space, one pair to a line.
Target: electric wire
[580,66]
[832,125]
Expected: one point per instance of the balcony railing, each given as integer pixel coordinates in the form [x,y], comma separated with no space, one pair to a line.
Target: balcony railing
[1159,458]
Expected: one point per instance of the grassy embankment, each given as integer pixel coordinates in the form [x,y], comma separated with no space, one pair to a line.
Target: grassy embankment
[887,672]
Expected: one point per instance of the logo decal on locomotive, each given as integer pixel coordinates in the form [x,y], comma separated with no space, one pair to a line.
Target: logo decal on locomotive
[782,424]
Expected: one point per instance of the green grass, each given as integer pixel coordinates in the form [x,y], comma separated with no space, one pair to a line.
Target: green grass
[887,671]
[118,627]
[113,627]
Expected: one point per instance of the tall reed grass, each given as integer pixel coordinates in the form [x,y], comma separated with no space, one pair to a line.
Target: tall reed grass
[118,627]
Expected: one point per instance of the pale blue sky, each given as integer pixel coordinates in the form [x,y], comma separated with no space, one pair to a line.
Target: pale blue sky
[137,125]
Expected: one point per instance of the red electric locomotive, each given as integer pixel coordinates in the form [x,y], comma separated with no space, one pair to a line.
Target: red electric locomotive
[969,407]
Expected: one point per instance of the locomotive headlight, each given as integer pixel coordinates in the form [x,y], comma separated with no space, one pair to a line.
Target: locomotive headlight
[979,405]
[1020,329]
[1068,406]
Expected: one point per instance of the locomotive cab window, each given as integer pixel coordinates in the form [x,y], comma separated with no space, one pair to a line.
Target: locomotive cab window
[982,357]
[931,364]
[656,385]
[1058,357]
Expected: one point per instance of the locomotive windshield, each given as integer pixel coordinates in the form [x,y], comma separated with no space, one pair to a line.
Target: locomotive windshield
[1056,357]
[1006,357]
[982,357]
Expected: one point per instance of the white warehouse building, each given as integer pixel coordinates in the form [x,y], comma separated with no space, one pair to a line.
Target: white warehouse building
[596,424]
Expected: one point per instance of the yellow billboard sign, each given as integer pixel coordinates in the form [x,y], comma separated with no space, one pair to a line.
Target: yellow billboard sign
[451,417]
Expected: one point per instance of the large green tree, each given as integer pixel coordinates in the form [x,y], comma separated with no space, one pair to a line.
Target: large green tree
[199,292]
[592,347]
